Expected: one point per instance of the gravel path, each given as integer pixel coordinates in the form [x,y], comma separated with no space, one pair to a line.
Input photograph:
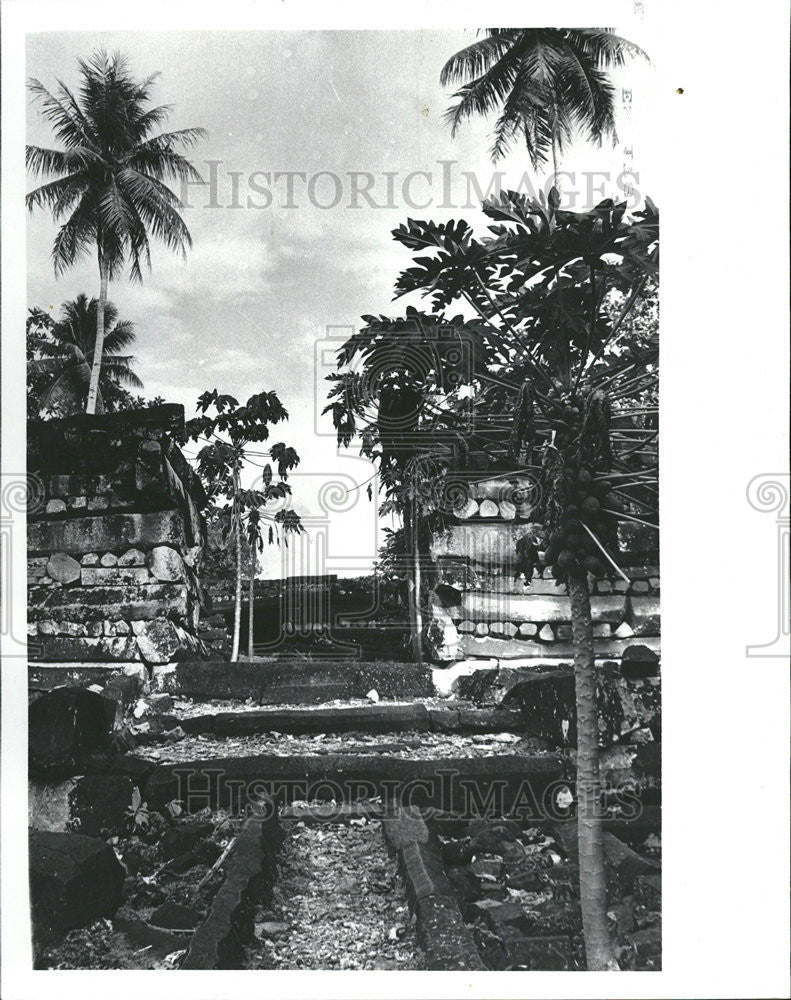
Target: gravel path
[423,746]
[338,903]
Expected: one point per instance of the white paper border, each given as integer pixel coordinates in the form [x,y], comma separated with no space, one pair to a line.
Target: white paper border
[723,194]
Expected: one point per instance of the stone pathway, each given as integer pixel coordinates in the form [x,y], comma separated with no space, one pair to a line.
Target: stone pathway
[338,904]
[425,746]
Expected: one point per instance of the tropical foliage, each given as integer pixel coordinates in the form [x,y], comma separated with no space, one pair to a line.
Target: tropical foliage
[547,381]
[546,84]
[61,353]
[241,513]
[108,184]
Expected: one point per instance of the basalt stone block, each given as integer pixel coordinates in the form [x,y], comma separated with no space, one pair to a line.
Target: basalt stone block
[218,943]
[526,650]
[294,681]
[474,785]
[405,827]
[46,676]
[479,606]
[149,472]
[444,937]
[92,804]
[484,544]
[107,532]
[644,615]
[74,879]
[113,576]
[548,704]
[59,649]
[129,602]
[65,725]
[537,954]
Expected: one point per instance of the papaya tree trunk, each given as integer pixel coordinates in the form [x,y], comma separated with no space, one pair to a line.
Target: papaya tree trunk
[98,351]
[593,874]
[250,598]
[237,531]
[413,584]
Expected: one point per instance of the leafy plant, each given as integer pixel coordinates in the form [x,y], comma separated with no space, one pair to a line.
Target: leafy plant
[138,811]
[563,389]
[228,432]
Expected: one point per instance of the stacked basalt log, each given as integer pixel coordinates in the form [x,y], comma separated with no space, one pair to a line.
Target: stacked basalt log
[483,607]
[115,536]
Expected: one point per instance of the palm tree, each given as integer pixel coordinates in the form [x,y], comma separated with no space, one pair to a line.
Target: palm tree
[66,356]
[548,83]
[109,182]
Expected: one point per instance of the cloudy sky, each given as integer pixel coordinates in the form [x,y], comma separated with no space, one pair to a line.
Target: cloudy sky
[319,144]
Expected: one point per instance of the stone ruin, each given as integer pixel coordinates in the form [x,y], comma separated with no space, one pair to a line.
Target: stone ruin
[483,609]
[115,537]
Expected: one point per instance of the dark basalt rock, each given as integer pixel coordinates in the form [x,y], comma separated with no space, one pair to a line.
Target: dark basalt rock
[65,726]
[73,880]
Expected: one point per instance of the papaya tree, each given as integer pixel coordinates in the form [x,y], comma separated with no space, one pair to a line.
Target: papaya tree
[227,433]
[399,394]
[559,388]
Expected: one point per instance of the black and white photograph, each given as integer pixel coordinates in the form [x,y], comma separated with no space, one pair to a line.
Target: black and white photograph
[348,367]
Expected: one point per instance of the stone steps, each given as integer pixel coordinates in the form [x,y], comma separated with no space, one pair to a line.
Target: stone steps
[293,681]
[380,718]
[457,784]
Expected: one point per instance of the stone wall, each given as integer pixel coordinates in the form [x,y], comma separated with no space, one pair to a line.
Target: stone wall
[483,608]
[114,540]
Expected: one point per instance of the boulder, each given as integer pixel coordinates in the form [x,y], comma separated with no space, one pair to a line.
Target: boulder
[639,661]
[74,880]
[65,725]
[165,564]
[132,557]
[63,568]
[157,640]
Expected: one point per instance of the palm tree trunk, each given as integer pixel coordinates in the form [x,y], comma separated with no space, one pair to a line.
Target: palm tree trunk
[250,598]
[237,530]
[593,875]
[555,165]
[98,351]
[413,585]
